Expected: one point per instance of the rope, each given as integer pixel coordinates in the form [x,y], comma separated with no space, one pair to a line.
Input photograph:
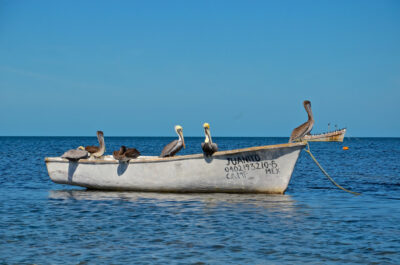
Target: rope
[326,174]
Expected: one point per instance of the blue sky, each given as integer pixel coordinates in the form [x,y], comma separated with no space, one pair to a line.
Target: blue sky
[137,68]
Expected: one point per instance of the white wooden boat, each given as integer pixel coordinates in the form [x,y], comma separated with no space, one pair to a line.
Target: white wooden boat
[262,169]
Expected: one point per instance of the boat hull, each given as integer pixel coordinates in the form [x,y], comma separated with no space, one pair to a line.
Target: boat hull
[265,169]
[335,136]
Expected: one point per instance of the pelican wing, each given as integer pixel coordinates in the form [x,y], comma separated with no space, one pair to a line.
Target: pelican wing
[209,148]
[172,148]
[300,131]
[92,149]
[214,147]
[75,154]
[132,153]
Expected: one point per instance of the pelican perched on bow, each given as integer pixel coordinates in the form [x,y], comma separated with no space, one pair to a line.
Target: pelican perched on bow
[208,146]
[305,128]
[76,154]
[175,146]
[97,151]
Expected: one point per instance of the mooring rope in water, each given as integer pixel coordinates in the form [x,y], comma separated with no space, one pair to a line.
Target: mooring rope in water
[326,174]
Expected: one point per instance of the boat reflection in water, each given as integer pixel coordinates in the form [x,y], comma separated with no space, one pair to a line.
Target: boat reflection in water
[272,202]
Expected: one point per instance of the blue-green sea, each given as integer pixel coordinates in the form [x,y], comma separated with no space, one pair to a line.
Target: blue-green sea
[313,223]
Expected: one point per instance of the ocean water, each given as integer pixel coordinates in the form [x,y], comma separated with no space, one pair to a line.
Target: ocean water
[313,223]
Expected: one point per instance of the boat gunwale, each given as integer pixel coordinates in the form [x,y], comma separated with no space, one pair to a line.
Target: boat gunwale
[333,133]
[175,158]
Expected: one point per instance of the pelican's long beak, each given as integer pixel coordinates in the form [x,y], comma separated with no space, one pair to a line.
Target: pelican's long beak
[207,132]
[183,139]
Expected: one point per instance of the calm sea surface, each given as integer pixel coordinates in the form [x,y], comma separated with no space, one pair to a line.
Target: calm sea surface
[314,222]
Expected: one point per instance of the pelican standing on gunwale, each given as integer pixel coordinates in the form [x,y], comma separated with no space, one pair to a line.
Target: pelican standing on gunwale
[175,146]
[208,146]
[97,151]
[305,128]
[76,154]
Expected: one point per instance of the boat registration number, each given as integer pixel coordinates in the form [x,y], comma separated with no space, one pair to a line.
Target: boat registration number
[239,167]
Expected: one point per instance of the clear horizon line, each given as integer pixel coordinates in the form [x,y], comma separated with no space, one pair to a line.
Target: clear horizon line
[185,136]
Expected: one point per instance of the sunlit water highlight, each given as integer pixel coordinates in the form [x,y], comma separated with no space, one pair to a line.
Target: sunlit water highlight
[314,222]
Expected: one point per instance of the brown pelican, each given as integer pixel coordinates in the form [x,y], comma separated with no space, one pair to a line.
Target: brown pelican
[76,154]
[131,153]
[125,154]
[119,154]
[97,151]
[208,146]
[305,128]
[175,146]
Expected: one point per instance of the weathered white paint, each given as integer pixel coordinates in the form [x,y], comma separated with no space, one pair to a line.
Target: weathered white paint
[190,173]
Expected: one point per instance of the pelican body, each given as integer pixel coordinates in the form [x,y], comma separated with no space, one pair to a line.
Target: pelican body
[305,128]
[131,153]
[76,154]
[208,146]
[125,154]
[119,154]
[175,146]
[97,151]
